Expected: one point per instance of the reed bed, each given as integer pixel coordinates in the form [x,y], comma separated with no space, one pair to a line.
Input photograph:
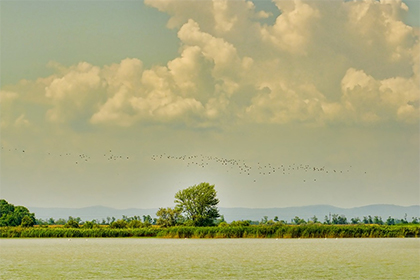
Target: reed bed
[261,231]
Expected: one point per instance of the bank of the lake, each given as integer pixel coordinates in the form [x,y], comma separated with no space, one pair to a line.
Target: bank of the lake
[261,231]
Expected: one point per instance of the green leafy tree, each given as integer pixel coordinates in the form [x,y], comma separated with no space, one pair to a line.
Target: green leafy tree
[60,221]
[71,223]
[390,221]
[147,219]
[90,224]
[168,217]
[314,219]
[368,220]
[220,220]
[6,208]
[298,221]
[11,215]
[378,220]
[404,221]
[77,219]
[135,224]
[118,224]
[264,220]
[339,220]
[240,223]
[199,204]
[27,222]
[41,222]
[327,220]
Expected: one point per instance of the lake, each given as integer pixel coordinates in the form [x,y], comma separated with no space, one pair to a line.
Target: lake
[154,258]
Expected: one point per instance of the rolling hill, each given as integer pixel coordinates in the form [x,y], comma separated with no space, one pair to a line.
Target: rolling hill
[232,214]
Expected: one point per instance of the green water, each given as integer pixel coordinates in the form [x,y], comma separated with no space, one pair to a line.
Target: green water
[143,258]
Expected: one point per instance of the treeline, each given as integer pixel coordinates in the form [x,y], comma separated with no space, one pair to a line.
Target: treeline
[336,219]
[232,231]
[147,220]
[131,222]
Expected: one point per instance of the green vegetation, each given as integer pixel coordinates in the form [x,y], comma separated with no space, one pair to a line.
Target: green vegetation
[198,203]
[250,231]
[196,216]
[169,217]
[11,215]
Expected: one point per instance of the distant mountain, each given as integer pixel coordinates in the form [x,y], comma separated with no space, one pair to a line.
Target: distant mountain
[233,214]
[89,213]
[320,211]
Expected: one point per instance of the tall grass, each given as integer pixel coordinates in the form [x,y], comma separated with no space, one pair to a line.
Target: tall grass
[261,231]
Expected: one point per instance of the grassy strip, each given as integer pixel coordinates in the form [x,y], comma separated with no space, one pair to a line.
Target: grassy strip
[274,231]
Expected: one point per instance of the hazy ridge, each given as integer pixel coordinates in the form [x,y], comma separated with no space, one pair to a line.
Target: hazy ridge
[238,213]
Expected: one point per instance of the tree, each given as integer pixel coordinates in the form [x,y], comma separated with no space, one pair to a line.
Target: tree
[378,220]
[390,221]
[314,219]
[60,221]
[298,221]
[27,222]
[11,215]
[404,221]
[168,217]
[367,220]
[264,220]
[90,224]
[220,220]
[6,208]
[327,220]
[199,204]
[240,223]
[147,219]
[118,224]
[135,224]
[339,220]
[71,223]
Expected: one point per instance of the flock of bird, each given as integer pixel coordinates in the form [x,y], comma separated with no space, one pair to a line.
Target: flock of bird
[77,158]
[254,171]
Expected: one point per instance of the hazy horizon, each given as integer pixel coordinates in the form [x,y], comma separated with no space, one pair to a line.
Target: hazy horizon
[92,206]
[278,104]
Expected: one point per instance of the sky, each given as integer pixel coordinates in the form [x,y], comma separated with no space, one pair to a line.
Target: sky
[277,104]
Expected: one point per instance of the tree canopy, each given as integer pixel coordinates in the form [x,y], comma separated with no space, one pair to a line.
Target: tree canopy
[198,203]
[11,215]
[168,217]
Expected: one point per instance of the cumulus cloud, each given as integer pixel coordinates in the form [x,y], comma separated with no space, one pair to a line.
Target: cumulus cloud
[293,29]
[368,100]
[76,94]
[318,63]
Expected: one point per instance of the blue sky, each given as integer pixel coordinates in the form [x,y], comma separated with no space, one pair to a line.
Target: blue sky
[318,101]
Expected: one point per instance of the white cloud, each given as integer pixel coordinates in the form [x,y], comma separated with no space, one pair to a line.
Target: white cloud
[293,28]
[76,94]
[319,63]
[7,96]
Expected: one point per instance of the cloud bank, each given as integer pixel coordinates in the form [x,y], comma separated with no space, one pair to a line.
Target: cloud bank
[320,63]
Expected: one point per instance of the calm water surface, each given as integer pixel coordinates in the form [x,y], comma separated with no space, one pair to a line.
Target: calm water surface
[143,258]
